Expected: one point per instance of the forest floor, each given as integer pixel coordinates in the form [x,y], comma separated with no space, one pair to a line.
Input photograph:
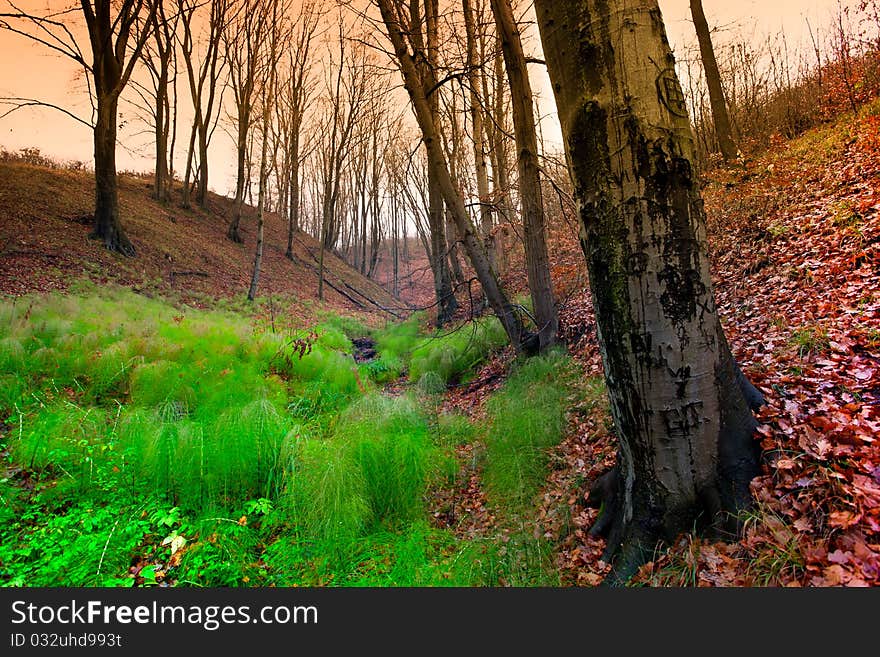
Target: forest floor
[795,234]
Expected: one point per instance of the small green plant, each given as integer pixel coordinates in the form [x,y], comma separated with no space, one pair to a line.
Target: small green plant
[776,556]
[810,339]
[777,229]
[844,215]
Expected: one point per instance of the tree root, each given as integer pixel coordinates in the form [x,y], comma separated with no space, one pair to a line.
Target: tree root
[631,544]
[116,243]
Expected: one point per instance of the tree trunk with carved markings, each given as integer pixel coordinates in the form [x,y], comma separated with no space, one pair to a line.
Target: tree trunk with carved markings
[681,407]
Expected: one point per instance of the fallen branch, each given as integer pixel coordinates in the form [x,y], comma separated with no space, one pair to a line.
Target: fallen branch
[345,294]
[200,274]
[375,303]
[350,287]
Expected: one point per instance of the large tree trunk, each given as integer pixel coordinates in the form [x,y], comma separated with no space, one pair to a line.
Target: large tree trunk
[680,406]
[713,80]
[507,315]
[108,228]
[531,197]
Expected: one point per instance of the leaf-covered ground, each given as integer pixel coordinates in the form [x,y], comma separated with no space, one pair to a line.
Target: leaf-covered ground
[796,247]
[795,235]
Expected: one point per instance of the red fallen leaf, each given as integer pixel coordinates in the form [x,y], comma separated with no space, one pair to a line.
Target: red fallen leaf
[765,430]
[838,557]
[803,525]
[785,464]
[856,582]
[864,375]
[822,423]
[843,519]
[589,579]
[834,575]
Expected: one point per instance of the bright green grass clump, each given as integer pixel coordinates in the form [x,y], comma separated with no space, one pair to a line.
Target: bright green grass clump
[374,470]
[396,342]
[527,418]
[117,391]
[116,399]
[451,356]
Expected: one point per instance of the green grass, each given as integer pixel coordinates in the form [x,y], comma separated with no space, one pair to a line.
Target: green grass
[452,355]
[809,339]
[194,447]
[527,418]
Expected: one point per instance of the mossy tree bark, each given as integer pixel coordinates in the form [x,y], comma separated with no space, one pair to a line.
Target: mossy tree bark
[680,404]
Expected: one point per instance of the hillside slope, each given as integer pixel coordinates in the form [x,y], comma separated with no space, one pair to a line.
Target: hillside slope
[44,245]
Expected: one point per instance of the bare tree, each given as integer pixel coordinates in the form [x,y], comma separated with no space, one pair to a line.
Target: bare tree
[115,51]
[272,44]
[242,42]
[159,58]
[205,87]
[297,89]
[475,77]
[720,116]
[347,96]
[404,55]
[423,32]
[530,193]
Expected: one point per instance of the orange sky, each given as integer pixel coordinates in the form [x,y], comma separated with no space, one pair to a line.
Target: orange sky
[29,70]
